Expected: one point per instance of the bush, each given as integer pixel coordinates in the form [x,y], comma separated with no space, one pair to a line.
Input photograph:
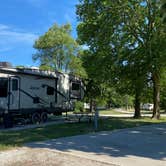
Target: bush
[79,106]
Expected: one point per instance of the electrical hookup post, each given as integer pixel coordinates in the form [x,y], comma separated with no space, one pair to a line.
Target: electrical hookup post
[96,116]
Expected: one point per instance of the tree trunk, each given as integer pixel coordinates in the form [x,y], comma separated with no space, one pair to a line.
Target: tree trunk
[137,113]
[156,96]
[91,105]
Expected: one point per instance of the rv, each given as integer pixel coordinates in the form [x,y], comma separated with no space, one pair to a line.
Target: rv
[147,106]
[33,94]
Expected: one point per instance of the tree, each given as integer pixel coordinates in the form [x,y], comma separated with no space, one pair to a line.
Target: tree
[149,33]
[93,89]
[163,90]
[100,30]
[76,66]
[129,36]
[56,48]
[163,10]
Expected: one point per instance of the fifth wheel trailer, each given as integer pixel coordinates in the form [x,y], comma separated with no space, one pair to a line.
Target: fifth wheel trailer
[33,94]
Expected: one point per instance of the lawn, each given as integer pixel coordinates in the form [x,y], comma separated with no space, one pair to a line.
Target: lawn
[10,139]
[111,112]
[129,111]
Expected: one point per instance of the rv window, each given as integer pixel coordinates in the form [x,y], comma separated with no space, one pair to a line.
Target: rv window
[3,87]
[50,90]
[75,86]
[14,85]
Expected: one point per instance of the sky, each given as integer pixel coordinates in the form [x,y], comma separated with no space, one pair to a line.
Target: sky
[23,21]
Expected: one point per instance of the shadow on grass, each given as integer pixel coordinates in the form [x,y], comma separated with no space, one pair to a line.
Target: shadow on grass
[10,139]
[144,141]
[17,138]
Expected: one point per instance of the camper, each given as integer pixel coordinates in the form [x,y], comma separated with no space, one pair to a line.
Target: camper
[147,106]
[33,94]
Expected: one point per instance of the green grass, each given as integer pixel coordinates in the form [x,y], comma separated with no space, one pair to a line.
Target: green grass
[129,111]
[10,139]
[110,112]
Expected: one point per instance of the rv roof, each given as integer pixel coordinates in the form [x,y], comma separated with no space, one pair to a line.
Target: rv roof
[29,72]
[37,72]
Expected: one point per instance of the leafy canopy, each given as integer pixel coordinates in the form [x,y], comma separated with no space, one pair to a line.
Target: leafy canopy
[56,48]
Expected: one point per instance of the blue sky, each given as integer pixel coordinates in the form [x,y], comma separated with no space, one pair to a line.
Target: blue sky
[22,21]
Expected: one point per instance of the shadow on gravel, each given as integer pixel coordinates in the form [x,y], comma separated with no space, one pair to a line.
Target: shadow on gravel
[145,141]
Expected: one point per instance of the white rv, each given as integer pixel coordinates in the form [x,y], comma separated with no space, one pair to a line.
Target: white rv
[34,93]
[147,106]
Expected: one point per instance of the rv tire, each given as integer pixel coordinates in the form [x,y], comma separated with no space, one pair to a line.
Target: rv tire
[35,118]
[44,117]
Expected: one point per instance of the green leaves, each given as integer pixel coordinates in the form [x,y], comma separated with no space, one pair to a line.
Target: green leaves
[126,41]
[163,10]
[55,48]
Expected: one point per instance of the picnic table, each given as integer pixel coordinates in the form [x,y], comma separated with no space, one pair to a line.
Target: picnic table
[86,115]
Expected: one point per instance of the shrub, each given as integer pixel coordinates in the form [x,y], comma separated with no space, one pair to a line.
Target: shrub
[79,106]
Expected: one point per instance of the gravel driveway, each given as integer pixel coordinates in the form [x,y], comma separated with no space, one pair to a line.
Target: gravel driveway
[145,145]
[44,157]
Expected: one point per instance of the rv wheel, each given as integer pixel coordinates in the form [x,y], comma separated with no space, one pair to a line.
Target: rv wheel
[35,118]
[44,117]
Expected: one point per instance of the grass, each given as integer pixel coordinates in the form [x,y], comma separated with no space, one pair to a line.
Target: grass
[110,112]
[10,139]
[150,112]
[129,111]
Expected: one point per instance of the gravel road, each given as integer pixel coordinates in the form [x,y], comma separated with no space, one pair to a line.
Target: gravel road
[44,157]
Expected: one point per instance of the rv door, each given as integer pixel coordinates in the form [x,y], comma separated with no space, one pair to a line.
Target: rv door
[14,93]
[3,94]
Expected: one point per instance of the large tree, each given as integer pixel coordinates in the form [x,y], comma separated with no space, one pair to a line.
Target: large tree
[56,48]
[125,34]
[163,90]
[163,10]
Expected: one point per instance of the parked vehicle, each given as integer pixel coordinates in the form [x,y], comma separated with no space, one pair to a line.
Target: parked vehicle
[147,106]
[33,94]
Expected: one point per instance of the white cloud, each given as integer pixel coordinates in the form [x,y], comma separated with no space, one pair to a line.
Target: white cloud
[5,49]
[3,27]
[11,37]
[17,36]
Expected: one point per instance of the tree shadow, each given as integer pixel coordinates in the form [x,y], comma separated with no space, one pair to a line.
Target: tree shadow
[145,141]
